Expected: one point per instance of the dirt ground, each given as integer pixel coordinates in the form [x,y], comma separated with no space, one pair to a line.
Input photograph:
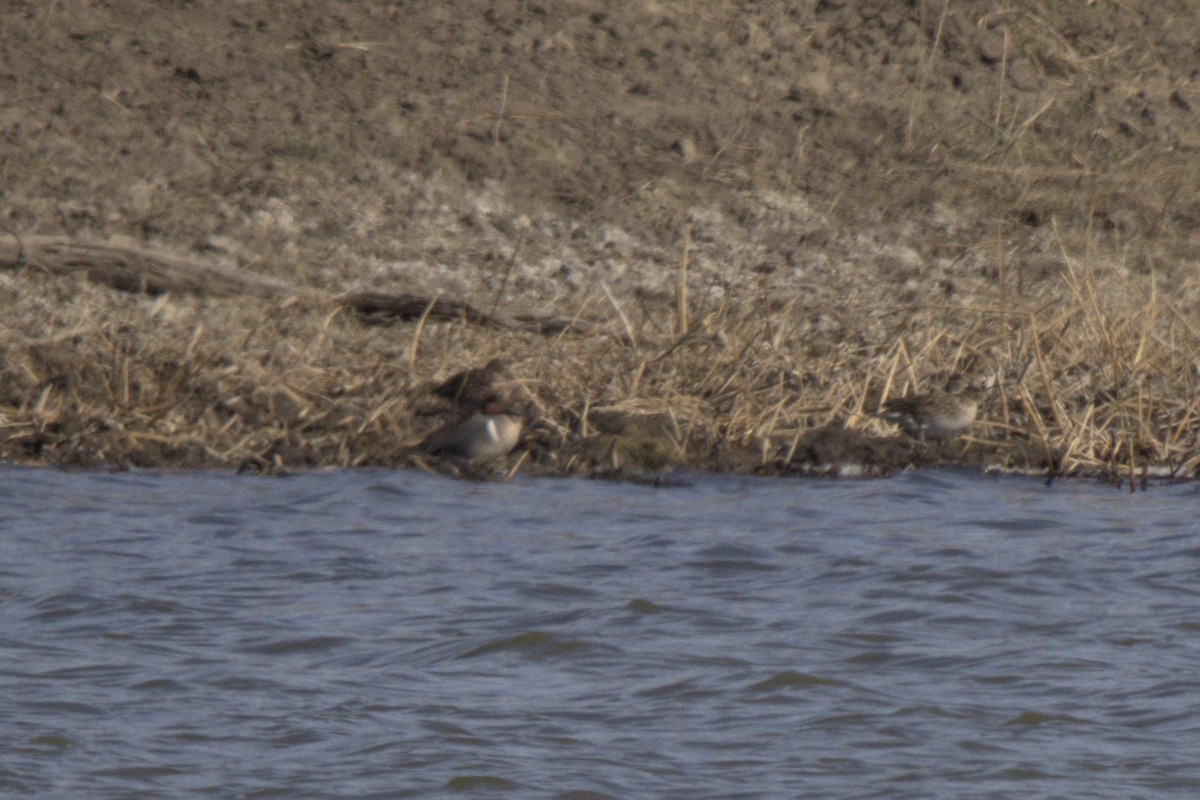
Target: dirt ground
[866,169]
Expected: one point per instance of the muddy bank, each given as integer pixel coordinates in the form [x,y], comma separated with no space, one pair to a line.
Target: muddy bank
[750,221]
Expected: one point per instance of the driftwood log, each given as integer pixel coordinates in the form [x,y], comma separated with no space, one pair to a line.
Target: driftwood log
[134,269]
[406,306]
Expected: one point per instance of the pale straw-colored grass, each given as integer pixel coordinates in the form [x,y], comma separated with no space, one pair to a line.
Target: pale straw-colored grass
[1092,372]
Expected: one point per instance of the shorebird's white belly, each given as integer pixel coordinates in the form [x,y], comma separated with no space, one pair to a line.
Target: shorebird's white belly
[941,425]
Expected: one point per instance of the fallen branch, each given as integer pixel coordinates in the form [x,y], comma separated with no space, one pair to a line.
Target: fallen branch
[406,306]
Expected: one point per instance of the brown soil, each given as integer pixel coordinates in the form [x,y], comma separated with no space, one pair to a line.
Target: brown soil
[858,197]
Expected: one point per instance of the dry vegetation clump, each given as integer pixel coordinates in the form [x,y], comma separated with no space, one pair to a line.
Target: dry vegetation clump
[1092,372]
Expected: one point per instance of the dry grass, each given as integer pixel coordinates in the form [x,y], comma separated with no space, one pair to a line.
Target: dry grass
[1094,372]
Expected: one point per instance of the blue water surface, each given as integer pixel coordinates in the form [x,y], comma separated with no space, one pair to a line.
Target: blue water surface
[393,634]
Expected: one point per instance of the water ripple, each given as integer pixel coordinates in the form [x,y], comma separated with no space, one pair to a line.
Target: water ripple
[388,634]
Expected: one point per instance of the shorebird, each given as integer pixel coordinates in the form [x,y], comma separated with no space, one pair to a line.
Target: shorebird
[471,386]
[489,433]
[935,414]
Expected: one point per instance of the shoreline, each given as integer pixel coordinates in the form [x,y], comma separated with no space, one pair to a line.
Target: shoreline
[669,478]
